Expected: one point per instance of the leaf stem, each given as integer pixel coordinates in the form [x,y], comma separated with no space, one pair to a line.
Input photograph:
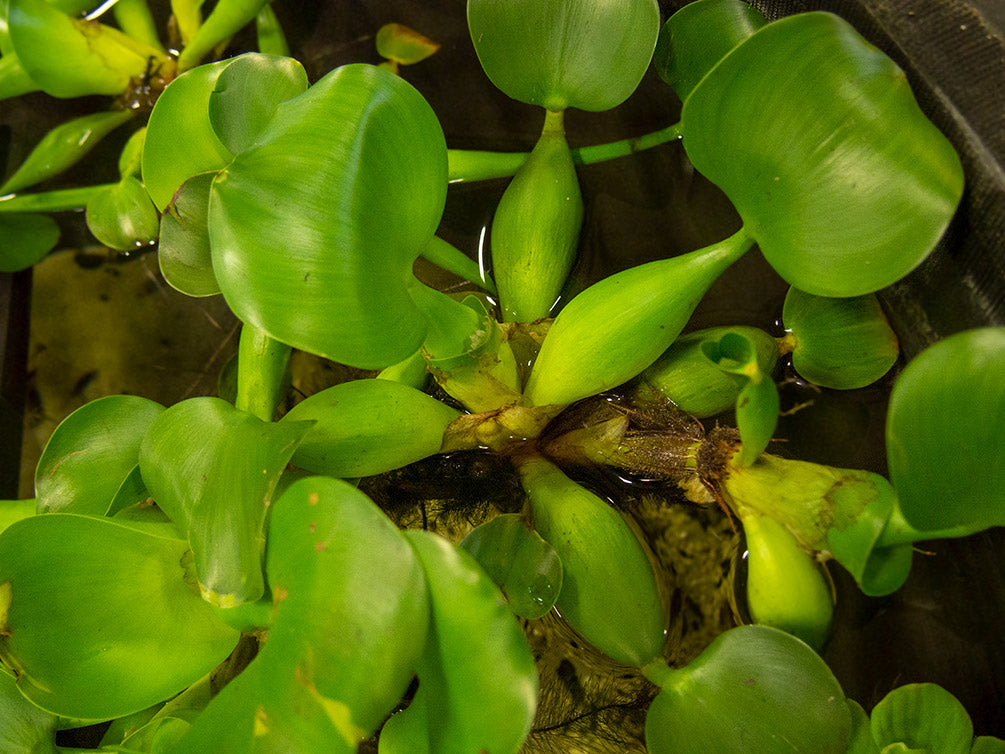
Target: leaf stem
[450,258]
[52,201]
[467,165]
[261,372]
[898,531]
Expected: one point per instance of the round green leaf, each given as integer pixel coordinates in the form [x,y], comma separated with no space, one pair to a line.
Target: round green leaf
[183,249]
[816,138]
[477,678]
[589,54]
[91,454]
[841,343]
[122,216]
[944,433]
[754,688]
[25,240]
[526,568]
[213,470]
[367,427]
[698,36]
[99,620]
[923,716]
[315,229]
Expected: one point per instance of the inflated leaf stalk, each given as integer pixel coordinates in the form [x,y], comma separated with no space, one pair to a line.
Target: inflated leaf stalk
[213,469]
[92,59]
[757,402]
[535,230]
[685,375]
[698,36]
[526,568]
[619,326]
[90,455]
[609,591]
[754,688]
[477,678]
[351,618]
[314,229]
[100,619]
[14,79]
[841,343]
[367,427]
[785,588]
[842,512]
[590,54]
[845,188]
[944,433]
[262,373]
[922,717]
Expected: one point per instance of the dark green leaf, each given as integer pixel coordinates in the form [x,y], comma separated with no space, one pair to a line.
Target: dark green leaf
[816,138]
[25,240]
[26,729]
[183,250]
[122,216]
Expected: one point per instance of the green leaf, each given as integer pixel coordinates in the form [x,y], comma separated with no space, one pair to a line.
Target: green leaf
[349,182]
[698,36]
[922,716]
[754,688]
[367,427]
[815,137]
[609,592]
[14,79]
[213,470]
[63,146]
[226,18]
[616,328]
[183,250]
[25,239]
[477,678]
[246,95]
[91,454]
[535,230]
[685,375]
[944,433]
[988,745]
[841,343]
[757,402]
[122,216]
[403,45]
[271,38]
[785,588]
[526,568]
[131,156]
[861,733]
[100,620]
[26,729]
[12,511]
[589,54]
[92,58]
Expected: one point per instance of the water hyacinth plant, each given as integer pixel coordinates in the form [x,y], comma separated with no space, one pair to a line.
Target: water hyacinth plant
[213,575]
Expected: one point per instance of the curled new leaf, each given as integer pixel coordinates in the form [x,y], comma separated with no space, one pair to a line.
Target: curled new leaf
[315,229]
[845,188]
[589,54]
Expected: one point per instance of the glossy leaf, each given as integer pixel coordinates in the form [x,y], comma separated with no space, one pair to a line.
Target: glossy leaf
[12,511]
[841,343]
[616,328]
[131,156]
[785,588]
[757,402]
[122,216]
[477,678]
[246,94]
[609,591]
[91,453]
[525,567]
[183,249]
[535,230]
[314,230]
[367,427]
[93,58]
[685,375]
[100,620]
[213,470]
[14,79]
[26,729]
[846,188]
[754,688]
[698,36]
[922,716]
[589,54]
[63,146]
[226,18]
[25,239]
[944,432]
